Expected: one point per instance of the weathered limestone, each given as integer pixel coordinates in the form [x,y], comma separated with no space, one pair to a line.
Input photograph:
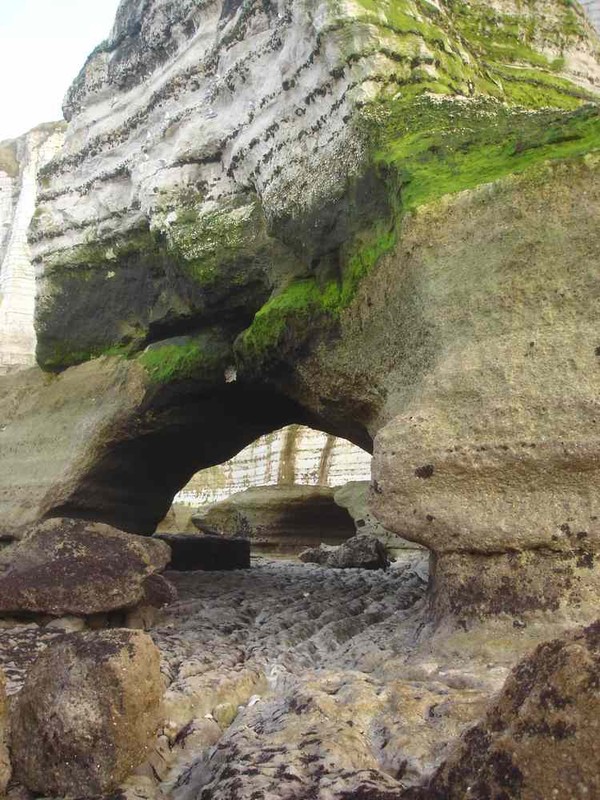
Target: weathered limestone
[280,519]
[20,162]
[84,718]
[354,497]
[540,737]
[218,153]
[493,460]
[70,567]
[361,217]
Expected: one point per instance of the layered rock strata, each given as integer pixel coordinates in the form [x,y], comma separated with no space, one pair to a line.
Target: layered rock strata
[280,519]
[293,455]
[362,218]
[20,161]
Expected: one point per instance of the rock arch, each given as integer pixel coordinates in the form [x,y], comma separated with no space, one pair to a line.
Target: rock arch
[381,264]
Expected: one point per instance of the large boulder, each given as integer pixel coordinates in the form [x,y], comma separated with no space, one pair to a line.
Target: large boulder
[87,713]
[539,739]
[193,552]
[72,567]
[359,552]
[281,519]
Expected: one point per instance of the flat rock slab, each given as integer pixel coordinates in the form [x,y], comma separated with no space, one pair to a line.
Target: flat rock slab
[189,552]
[72,567]
[282,519]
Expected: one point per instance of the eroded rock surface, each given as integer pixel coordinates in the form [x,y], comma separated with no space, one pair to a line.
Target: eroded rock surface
[268,259]
[540,737]
[363,551]
[86,714]
[282,518]
[354,496]
[67,566]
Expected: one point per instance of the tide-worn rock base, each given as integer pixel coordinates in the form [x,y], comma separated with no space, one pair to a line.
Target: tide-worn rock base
[540,738]
[72,567]
[84,718]
[193,552]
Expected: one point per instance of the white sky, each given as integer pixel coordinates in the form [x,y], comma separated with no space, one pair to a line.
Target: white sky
[43,45]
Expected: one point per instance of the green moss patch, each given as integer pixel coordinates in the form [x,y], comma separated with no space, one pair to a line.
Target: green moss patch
[200,358]
[439,147]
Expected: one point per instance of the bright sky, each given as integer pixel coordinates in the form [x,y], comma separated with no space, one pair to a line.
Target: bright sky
[43,45]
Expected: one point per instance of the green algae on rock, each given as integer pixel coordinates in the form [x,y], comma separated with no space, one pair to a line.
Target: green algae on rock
[269,208]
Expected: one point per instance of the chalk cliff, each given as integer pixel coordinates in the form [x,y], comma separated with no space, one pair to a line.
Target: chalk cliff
[20,161]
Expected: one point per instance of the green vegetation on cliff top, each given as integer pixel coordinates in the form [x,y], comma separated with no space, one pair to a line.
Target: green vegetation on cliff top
[439,146]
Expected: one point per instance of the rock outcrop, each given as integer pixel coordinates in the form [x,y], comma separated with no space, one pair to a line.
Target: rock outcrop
[71,567]
[280,519]
[86,714]
[359,552]
[540,737]
[354,497]
[20,161]
[269,260]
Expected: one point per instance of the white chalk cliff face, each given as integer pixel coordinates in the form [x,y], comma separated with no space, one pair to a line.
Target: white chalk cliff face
[20,161]
[208,139]
[293,455]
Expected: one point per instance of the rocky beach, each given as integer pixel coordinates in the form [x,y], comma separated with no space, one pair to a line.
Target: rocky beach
[299,406]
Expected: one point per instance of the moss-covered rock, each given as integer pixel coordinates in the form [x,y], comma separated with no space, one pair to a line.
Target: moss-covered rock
[261,209]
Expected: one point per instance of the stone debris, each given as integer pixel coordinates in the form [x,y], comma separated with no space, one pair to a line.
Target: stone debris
[359,552]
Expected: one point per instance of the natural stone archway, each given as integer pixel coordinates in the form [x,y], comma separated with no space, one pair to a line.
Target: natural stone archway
[103,442]
[321,240]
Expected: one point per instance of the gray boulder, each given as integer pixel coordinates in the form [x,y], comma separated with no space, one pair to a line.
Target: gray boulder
[71,567]
[359,552]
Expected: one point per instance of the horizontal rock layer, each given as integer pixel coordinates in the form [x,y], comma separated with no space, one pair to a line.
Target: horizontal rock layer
[20,162]
[362,218]
[293,455]
[217,151]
